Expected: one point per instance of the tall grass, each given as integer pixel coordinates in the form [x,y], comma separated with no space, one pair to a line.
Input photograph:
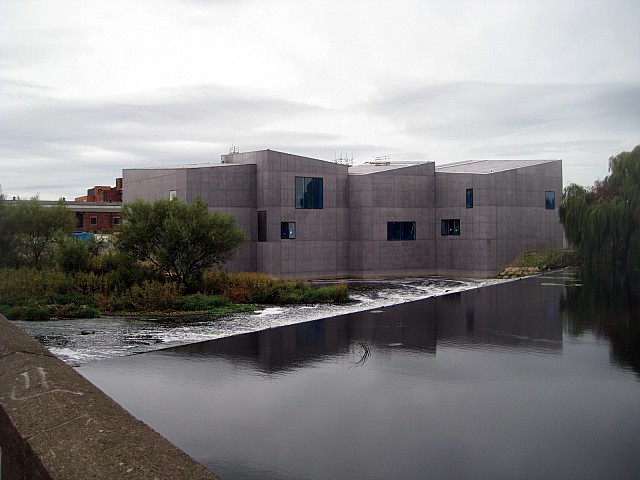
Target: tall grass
[32,294]
[251,287]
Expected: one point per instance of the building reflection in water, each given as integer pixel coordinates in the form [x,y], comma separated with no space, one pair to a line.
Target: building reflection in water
[506,316]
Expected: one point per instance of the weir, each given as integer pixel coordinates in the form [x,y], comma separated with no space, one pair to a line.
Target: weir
[54,424]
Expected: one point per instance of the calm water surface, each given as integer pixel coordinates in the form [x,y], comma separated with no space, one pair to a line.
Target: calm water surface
[530,379]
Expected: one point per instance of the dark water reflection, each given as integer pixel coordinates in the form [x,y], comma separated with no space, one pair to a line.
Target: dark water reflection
[499,382]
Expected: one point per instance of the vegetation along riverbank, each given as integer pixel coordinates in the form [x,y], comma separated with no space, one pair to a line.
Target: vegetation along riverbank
[31,294]
[164,259]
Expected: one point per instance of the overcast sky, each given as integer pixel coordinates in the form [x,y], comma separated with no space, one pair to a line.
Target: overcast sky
[88,88]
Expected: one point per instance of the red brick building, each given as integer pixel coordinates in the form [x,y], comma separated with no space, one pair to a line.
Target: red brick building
[98,217]
[102,193]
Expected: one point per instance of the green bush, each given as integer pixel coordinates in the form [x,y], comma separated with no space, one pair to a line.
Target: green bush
[546,259]
[201,302]
[28,313]
[74,255]
[154,295]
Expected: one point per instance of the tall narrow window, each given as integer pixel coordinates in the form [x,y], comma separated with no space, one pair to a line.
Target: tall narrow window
[469,197]
[550,200]
[288,230]
[309,192]
[173,194]
[450,226]
[401,231]
[262,225]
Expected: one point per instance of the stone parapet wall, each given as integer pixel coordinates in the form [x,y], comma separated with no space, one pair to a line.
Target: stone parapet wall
[54,424]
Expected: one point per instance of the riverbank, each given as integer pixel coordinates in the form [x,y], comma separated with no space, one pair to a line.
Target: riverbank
[81,341]
[40,295]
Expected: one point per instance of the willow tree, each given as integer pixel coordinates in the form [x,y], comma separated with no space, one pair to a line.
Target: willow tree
[603,222]
[181,240]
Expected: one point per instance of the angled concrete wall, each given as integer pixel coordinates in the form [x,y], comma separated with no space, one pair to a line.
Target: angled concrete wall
[321,246]
[509,217]
[348,235]
[55,425]
[398,195]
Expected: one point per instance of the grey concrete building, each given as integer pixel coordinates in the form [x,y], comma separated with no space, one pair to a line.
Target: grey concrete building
[310,218]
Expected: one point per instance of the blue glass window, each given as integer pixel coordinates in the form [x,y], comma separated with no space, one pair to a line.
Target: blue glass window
[401,230]
[309,192]
[450,227]
[550,200]
[288,230]
[469,197]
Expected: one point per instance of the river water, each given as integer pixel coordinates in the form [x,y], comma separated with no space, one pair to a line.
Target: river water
[86,340]
[537,378]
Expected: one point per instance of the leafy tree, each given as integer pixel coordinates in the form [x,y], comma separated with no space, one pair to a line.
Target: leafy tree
[32,230]
[181,240]
[603,222]
[75,255]
[6,230]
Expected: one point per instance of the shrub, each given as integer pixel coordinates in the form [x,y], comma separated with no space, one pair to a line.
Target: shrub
[74,255]
[27,313]
[154,295]
[200,302]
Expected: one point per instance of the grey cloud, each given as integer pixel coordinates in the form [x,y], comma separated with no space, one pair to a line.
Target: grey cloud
[85,139]
[480,110]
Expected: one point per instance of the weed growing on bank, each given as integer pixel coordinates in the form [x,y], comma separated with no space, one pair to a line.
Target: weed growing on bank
[262,288]
[123,288]
[547,259]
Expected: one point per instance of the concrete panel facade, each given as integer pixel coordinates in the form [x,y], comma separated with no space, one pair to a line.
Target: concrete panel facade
[347,234]
[321,245]
[509,216]
[398,195]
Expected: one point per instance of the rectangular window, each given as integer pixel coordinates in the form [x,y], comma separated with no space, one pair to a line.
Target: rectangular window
[288,230]
[262,225]
[93,220]
[116,220]
[401,231]
[550,200]
[173,194]
[309,192]
[469,197]
[450,227]
[79,220]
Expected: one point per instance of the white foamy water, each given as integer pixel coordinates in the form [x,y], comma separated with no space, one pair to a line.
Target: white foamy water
[87,340]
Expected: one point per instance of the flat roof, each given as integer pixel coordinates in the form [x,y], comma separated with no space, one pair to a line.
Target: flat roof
[185,166]
[368,168]
[488,166]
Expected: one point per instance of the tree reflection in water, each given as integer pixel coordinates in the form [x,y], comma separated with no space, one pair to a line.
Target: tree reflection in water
[607,303]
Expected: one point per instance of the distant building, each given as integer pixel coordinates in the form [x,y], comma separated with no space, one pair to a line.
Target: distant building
[91,217]
[105,194]
[96,217]
[309,218]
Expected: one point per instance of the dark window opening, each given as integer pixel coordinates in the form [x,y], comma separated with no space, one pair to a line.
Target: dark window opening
[79,220]
[262,225]
[469,197]
[309,192]
[550,200]
[401,231]
[116,220]
[93,220]
[288,230]
[450,227]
